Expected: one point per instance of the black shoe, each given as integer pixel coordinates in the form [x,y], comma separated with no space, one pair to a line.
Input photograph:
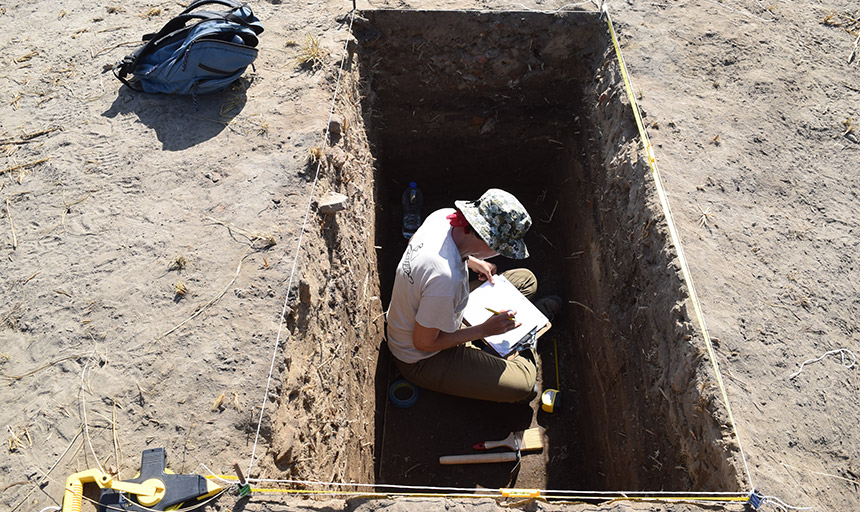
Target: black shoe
[549,305]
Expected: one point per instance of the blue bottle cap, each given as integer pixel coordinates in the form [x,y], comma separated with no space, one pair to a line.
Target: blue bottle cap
[412,184]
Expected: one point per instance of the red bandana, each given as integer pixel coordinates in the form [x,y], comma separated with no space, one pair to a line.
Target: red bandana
[458,220]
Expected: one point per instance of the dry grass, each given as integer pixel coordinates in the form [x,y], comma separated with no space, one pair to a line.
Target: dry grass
[206,306]
[705,216]
[256,239]
[311,54]
[217,404]
[178,263]
[180,290]
[26,57]
[315,154]
[16,441]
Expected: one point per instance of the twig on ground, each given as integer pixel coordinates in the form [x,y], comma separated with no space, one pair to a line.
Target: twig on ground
[28,137]
[854,50]
[267,238]
[841,351]
[11,224]
[547,241]
[24,165]
[15,442]
[111,48]
[855,482]
[31,372]
[783,307]
[117,453]
[76,201]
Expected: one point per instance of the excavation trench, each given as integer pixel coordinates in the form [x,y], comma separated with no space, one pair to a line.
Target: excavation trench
[535,104]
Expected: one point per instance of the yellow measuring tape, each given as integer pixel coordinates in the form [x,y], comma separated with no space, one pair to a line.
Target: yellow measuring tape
[676,238]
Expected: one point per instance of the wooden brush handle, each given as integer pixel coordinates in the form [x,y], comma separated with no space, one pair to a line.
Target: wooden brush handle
[478,458]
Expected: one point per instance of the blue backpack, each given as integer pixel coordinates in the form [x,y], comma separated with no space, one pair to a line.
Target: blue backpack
[196,58]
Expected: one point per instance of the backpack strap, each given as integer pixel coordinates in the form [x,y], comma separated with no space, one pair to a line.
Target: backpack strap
[124,68]
[231,15]
[232,4]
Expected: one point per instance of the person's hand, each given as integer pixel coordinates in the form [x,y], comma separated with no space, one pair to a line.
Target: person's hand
[484,269]
[501,323]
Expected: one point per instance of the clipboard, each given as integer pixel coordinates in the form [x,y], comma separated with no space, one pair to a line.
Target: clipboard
[503,295]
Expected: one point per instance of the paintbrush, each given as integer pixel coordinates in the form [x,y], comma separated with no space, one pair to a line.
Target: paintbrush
[524,441]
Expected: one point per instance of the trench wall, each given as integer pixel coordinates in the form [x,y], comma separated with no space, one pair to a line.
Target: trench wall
[646,382]
[324,426]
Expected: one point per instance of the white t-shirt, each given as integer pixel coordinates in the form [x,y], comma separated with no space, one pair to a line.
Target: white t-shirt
[431,287]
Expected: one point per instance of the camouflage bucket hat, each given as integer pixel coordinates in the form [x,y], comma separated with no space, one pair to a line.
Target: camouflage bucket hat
[500,220]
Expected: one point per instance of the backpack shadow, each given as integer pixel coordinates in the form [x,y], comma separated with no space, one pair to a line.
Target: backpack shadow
[182,122]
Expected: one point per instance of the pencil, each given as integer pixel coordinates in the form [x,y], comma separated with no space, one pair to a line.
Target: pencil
[493,311]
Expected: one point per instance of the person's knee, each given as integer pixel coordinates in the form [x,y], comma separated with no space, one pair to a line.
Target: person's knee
[523,280]
[522,386]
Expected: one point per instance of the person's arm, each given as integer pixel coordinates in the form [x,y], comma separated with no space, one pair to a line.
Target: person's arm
[429,339]
[484,269]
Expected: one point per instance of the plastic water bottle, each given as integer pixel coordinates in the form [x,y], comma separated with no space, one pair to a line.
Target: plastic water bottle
[412,200]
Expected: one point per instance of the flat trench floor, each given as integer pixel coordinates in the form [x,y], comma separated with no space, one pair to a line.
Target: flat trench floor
[414,438]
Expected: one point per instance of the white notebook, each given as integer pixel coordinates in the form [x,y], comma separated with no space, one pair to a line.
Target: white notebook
[500,296]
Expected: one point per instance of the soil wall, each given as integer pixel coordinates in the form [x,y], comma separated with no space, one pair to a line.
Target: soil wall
[648,388]
[324,427]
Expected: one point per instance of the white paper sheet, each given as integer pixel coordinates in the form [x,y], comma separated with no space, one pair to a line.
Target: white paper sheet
[500,296]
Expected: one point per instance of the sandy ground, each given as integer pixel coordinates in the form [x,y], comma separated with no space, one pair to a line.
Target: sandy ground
[110,199]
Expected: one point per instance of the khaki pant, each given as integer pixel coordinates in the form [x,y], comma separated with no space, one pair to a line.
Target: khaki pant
[468,371]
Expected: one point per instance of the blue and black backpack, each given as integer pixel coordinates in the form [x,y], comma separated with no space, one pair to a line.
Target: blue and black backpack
[194,58]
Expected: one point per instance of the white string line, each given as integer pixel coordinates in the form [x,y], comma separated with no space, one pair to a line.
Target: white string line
[841,351]
[570,499]
[470,489]
[298,248]
[556,11]
[767,500]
